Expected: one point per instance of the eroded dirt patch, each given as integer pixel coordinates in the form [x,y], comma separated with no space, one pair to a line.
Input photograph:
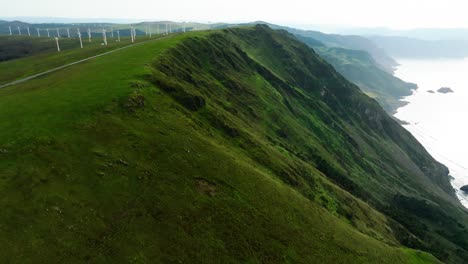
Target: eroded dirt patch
[206,187]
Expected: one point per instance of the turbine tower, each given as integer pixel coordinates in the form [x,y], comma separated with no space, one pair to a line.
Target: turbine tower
[48,34]
[89,35]
[58,32]
[10,31]
[131,33]
[57,41]
[79,36]
[118,36]
[29,33]
[104,36]
[38,32]
[19,31]
[68,32]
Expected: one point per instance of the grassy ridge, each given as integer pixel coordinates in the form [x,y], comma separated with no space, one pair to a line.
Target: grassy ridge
[200,148]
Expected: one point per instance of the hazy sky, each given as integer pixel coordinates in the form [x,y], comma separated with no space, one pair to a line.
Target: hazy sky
[398,14]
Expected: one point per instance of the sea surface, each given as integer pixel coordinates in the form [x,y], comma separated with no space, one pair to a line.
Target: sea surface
[439,121]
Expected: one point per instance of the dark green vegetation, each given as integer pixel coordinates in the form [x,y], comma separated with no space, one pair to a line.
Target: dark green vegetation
[360,68]
[240,145]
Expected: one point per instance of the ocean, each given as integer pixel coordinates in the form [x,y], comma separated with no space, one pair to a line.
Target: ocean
[439,120]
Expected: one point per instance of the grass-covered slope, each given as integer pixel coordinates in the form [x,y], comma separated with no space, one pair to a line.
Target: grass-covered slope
[344,129]
[360,68]
[234,146]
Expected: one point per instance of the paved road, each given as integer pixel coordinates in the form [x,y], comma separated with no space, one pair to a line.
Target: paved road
[73,63]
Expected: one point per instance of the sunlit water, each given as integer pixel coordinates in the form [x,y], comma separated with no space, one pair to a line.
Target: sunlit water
[439,121]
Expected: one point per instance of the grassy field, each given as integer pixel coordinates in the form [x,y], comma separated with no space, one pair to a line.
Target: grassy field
[185,150]
[45,55]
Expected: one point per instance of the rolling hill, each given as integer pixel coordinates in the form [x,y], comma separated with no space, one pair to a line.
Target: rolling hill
[235,145]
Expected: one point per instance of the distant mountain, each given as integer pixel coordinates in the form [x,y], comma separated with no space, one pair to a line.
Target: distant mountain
[421,33]
[404,47]
[418,43]
[354,42]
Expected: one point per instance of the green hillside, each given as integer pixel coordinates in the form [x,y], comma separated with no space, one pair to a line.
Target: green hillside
[349,42]
[238,145]
[360,68]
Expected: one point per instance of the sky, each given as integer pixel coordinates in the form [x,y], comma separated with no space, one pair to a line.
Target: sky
[395,14]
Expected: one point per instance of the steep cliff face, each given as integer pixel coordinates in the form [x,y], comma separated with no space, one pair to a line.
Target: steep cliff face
[260,85]
[359,67]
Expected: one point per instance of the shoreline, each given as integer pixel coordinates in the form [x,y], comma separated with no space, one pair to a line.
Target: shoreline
[456,178]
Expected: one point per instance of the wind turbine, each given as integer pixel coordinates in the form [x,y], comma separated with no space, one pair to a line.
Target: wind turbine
[150,33]
[104,36]
[184,27]
[68,32]
[167,32]
[48,34]
[112,32]
[134,34]
[29,33]
[79,36]
[10,31]
[57,41]
[89,35]
[118,36]
[38,32]
[19,31]
[131,34]
[58,32]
